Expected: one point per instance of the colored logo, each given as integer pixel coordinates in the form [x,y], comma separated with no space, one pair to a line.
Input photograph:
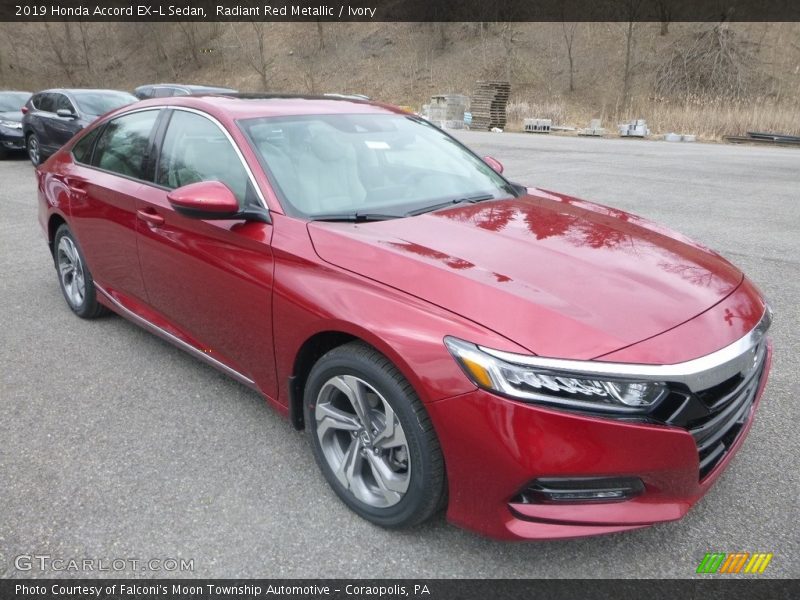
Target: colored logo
[735,562]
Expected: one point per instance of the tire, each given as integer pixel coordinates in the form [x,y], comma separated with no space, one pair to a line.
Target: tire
[34,149]
[74,276]
[407,456]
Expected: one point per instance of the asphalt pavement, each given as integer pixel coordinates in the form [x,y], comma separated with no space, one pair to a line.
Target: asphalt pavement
[116,445]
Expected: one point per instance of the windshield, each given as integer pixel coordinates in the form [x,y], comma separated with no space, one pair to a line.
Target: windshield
[13,101]
[98,103]
[362,164]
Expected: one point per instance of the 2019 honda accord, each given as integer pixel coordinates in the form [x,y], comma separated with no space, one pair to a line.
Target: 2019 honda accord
[542,366]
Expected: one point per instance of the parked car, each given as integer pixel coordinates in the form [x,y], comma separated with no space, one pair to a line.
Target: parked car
[543,366]
[163,90]
[52,117]
[11,137]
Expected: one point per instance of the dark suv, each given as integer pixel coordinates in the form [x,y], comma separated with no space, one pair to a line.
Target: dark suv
[10,117]
[164,90]
[52,117]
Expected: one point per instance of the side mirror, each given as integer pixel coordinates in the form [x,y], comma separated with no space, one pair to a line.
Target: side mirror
[66,113]
[205,200]
[495,164]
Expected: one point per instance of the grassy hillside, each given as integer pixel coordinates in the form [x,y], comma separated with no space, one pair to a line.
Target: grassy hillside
[692,78]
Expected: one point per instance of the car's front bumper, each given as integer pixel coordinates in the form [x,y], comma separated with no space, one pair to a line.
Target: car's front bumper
[494,447]
[11,139]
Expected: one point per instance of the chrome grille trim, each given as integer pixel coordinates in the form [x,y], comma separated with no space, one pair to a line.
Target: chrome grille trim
[698,374]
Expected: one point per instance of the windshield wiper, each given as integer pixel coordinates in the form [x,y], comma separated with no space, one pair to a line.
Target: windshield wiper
[355,217]
[432,207]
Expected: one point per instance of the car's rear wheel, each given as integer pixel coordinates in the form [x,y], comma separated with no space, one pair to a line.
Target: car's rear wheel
[74,276]
[34,149]
[372,437]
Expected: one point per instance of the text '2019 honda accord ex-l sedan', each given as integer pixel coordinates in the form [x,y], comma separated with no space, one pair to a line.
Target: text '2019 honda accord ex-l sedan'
[541,366]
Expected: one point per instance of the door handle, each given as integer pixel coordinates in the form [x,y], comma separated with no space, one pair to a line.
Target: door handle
[76,186]
[150,217]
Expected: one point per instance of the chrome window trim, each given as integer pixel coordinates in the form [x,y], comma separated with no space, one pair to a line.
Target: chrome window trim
[697,374]
[166,335]
[233,143]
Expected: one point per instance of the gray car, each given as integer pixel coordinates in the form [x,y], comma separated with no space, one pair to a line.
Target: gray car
[11,137]
[52,117]
[164,90]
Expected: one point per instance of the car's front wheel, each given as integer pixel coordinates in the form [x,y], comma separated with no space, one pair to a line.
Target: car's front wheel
[74,276]
[34,149]
[372,437]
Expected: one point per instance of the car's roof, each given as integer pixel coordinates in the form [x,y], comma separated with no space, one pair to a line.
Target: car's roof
[15,92]
[93,90]
[188,86]
[251,106]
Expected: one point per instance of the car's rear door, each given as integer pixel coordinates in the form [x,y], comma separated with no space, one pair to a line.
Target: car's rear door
[211,280]
[104,182]
[44,105]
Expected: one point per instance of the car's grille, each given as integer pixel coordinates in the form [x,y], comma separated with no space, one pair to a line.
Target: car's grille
[716,416]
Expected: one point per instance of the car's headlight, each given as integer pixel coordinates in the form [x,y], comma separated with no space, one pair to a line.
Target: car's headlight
[10,124]
[568,388]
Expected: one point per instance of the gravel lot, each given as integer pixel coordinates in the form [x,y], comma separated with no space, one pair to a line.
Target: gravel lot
[114,444]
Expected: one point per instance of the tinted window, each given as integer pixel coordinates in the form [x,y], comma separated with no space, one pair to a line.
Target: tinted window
[163,92]
[61,102]
[44,102]
[195,150]
[123,144]
[82,151]
[98,103]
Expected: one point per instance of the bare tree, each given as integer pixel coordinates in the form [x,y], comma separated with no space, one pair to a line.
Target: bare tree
[259,58]
[191,32]
[85,44]
[56,46]
[664,15]
[510,40]
[569,39]
[630,10]
[154,30]
[320,35]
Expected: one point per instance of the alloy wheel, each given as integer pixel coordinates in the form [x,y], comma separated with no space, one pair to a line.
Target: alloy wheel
[33,149]
[70,269]
[363,441]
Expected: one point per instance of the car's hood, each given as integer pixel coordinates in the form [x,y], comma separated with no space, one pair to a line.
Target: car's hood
[11,115]
[561,277]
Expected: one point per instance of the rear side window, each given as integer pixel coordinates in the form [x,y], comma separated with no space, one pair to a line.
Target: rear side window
[123,144]
[82,151]
[45,102]
[195,149]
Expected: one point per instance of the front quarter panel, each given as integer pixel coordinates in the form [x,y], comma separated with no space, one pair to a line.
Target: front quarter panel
[312,297]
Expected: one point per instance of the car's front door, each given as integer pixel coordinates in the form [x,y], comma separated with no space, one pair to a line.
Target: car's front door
[60,129]
[209,279]
[104,182]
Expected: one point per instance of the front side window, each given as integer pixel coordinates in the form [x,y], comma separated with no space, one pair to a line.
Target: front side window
[123,144]
[195,149]
[61,102]
[368,163]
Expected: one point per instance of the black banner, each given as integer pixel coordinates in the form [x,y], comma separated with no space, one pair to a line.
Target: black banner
[402,10]
[433,589]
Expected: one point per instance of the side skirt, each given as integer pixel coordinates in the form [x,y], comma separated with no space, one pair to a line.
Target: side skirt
[167,336]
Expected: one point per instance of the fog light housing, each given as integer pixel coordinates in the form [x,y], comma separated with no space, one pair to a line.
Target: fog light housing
[579,490]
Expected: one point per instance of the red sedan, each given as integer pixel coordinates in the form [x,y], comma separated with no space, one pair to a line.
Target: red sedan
[541,366]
